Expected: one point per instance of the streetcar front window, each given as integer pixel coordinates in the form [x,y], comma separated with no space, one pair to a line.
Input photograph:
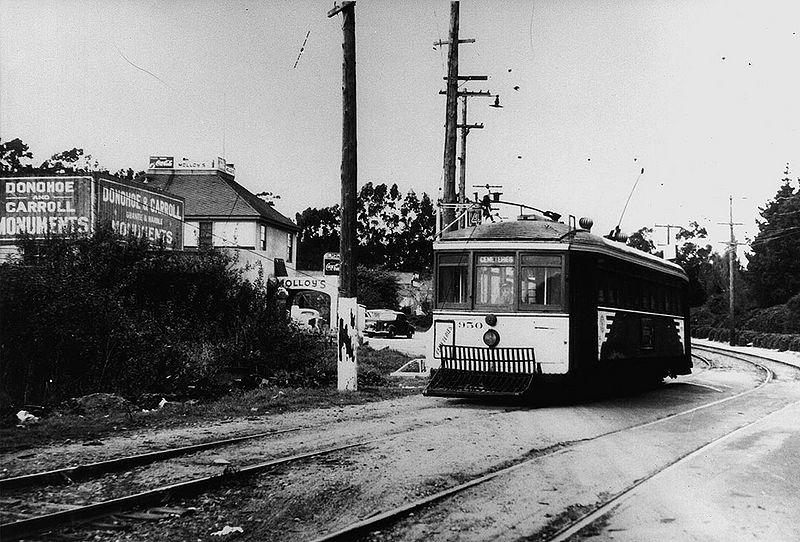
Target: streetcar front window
[541,281]
[494,280]
[453,279]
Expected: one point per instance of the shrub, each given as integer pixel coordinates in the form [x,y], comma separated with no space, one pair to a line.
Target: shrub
[105,314]
[745,338]
[377,289]
[777,319]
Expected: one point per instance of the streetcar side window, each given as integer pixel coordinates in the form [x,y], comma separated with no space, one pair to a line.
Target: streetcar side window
[453,279]
[494,280]
[541,281]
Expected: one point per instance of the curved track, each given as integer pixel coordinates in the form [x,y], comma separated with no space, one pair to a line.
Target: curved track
[51,522]
[603,508]
[363,528]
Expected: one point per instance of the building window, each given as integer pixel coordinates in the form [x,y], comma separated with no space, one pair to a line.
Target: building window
[206,239]
[263,236]
[289,247]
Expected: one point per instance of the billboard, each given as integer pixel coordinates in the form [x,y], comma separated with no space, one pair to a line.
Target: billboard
[141,213]
[38,207]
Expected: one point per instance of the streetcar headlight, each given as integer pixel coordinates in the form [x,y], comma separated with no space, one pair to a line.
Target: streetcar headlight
[491,319]
[491,338]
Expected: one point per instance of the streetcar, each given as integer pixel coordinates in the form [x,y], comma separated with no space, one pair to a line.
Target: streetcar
[533,301]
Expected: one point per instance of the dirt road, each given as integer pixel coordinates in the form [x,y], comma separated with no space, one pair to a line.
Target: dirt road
[646,454]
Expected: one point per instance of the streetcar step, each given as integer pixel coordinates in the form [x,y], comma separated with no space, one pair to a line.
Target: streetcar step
[455,383]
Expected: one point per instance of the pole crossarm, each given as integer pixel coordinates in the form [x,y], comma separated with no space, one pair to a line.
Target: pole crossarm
[440,43]
[484,93]
[469,126]
[338,9]
[471,78]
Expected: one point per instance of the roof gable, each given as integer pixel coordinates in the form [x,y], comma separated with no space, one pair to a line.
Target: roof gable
[216,194]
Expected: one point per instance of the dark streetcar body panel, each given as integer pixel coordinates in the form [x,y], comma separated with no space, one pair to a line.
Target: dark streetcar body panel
[611,310]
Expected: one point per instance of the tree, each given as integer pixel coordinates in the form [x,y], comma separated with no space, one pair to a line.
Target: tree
[419,227]
[319,233]
[640,239]
[377,289]
[696,261]
[12,154]
[128,174]
[70,162]
[379,225]
[773,272]
[394,232]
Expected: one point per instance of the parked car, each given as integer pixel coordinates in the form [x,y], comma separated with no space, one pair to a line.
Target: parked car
[387,323]
[307,319]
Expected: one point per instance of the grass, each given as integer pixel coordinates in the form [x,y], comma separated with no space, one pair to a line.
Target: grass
[62,427]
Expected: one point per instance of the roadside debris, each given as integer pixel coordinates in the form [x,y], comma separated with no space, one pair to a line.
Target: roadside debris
[416,368]
[99,404]
[26,418]
[227,530]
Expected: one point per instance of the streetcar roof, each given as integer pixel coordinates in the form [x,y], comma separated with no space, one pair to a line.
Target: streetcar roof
[547,234]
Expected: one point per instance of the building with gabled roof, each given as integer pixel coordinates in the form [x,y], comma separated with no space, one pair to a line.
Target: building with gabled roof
[219,212]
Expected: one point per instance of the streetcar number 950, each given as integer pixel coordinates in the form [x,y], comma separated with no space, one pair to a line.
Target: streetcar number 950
[469,325]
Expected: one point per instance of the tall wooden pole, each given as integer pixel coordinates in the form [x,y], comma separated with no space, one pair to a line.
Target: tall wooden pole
[731,260]
[462,172]
[451,119]
[347,313]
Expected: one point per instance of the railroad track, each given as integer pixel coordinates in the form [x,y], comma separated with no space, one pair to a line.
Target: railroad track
[68,475]
[51,522]
[362,529]
[613,502]
[68,514]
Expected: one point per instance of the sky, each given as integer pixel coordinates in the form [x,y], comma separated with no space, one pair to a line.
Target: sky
[701,94]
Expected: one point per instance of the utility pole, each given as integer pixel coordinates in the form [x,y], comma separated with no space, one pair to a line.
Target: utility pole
[669,227]
[451,118]
[465,128]
[731,261]
[347,311]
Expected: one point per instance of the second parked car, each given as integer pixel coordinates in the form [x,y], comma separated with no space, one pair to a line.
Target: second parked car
[387,323]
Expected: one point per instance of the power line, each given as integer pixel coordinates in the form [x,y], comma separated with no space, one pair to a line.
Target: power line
[788,232]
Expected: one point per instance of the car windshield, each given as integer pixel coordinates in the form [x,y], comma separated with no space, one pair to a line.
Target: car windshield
[384,316]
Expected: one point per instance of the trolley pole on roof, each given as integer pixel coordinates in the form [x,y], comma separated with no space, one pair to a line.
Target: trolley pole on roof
[347,307]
